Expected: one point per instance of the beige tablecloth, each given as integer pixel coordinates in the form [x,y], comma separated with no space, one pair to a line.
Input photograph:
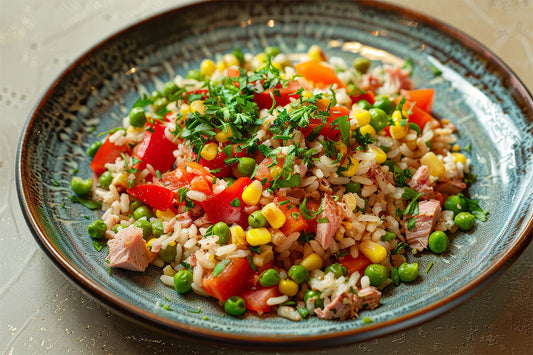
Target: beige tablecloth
[41,312]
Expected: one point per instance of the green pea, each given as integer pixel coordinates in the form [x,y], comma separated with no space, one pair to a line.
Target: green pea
[169,89]
[105,180]
[377,274]
[246,166]
[384,103]
[222,230]
[229,180]
[157,228]
[97,229]
[395,276]
[438,242]
[160,104]
[146,226]
[183,281]
[465,221]
[319,302]
[81,187]
[257,219]
[194,74]
[169,253]
[365,105]
[361,64]
[455,203]
[235,306]
[408,272]
[269,278]
[136,204]
[378,118]
[353,187]
[337,269]
[272,51]
[142,211]
[154,95]
[388,237]
[93,148]
[298,273]
[137,117]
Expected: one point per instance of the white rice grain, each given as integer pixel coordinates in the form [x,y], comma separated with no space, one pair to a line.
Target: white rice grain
[167,280]
[272,301]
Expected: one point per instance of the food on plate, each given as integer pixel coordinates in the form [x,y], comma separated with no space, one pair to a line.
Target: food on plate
[287,183]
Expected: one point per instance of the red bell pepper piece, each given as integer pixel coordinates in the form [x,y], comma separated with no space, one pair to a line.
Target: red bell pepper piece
[156,150]
[418,116]
[218,206]
[107,153]
[232,281]
[292,224]
[281,95]
[156,196]
[424,98]
[319,73]
[216,164]
[256,300]
[358,264]
[328,131]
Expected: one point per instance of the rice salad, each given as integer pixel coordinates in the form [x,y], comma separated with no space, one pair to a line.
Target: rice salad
[288,183]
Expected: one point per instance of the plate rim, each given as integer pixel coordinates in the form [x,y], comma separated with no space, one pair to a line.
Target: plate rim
[155,321]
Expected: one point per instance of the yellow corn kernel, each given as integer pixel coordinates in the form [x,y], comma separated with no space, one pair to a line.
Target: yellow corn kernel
[223,136]
[444,121]
[149,243]
[165,215]
[277,65]
[221,66]
[456,147]
[435,166]
[459,158]
[258,236]
[275,171]
[351,165]
[307,250]
[397,115]
[209,151]
[347,225]
[237,236]
[316,53]
[373,251]
[275,217]
[198,106]
[121,180]
[185,110]
[306,94]
[230,60]
[368,129]
[263,259]
[350,201]
[252,193]
[288,287]
[341,147]
[378,152]
[261,57]
[207,67]
[339,235]
[312,262]
[361,115]
[322,104]
[413,145]
[397,131]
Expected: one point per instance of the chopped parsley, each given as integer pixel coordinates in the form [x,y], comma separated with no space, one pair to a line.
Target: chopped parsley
[236,202]
[399,247]
[220,267]
[362,139]
[400,176]
[90,204]
[429,267]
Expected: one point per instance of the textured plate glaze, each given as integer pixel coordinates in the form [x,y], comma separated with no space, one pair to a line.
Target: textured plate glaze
[477,92]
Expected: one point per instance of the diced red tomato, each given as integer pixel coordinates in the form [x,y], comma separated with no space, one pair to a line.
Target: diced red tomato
[418,116]
[281,95]
[312,206]
[328,131]
[424,98]
[215,164]
[232,281]
[292,224]
[155,196]
[198,183]
[264,170]
[368,96]
[218,206]
[319,73]
[355,264]
[233,72]
[107,153]
[156,150]
[256,300]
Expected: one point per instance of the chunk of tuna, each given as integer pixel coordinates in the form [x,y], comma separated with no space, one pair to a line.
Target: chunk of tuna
[347,304]
[421,183]
[428,215]
[451,187]
[128,250]
[326,231]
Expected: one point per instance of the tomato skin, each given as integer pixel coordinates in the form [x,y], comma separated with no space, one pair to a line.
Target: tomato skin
[232,281]
[107,153]
[256,299]
[328,131]
[264,101]
[218,206]
[320,74]
[156,150]
[217,163]
[155,196]
[358,264]
[368,96]
[424,98]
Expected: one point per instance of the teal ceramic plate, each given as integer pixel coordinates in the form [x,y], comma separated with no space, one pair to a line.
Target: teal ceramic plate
[476,91]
